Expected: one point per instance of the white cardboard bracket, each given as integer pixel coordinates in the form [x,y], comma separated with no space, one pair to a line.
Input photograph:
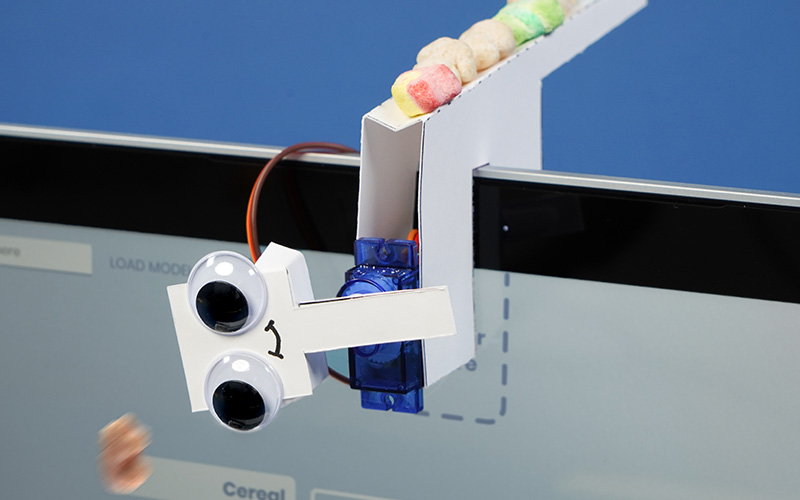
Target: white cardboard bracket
[495,120]
[308,328]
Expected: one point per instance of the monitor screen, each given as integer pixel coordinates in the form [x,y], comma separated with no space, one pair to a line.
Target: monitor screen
[623,350]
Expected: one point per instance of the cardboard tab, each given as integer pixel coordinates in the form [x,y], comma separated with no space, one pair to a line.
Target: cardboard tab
[379,318]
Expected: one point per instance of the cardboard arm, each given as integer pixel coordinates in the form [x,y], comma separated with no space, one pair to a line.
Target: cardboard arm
[379,318]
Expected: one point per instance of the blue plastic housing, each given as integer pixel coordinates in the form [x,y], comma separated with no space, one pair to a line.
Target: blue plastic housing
[389,376]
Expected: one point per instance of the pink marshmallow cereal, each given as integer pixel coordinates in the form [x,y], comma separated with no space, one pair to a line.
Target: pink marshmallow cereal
[422,90]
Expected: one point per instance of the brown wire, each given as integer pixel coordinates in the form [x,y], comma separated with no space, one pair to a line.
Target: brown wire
[252,205]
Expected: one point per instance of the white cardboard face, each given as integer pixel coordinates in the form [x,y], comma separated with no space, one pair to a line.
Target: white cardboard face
[495,120]
[290,336]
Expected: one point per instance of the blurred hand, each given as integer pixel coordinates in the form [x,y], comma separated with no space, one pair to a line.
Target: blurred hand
[123,467]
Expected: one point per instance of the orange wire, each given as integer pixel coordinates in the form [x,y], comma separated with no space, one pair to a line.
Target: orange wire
[255,193]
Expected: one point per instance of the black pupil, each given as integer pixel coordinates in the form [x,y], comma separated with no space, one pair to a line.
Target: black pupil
[239,405]
[222,306]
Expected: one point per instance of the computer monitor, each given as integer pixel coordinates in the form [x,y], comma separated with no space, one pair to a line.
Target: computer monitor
[633,339]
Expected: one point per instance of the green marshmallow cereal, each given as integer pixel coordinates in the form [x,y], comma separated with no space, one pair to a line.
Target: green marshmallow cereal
[529,19]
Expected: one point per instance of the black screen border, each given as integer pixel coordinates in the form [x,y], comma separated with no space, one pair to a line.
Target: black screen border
[661,235]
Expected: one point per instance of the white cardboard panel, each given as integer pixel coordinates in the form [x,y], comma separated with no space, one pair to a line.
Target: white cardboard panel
[456,143]
[387,191]
[590,24]
[495,120]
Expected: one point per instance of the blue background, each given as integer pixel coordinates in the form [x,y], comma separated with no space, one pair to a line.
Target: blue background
[689,91]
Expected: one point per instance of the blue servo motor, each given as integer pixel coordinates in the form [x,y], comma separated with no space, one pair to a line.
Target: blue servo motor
[389,376]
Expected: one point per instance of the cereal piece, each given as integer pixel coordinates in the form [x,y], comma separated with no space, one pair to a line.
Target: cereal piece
[530,19]
[424,89]
[122,466]
[484,51]
[550,12]
[455,54]
[490,41]
[523,23]
[569,6]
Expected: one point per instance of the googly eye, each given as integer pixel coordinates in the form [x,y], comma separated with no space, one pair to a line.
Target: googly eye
[243,391]
[227,293]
